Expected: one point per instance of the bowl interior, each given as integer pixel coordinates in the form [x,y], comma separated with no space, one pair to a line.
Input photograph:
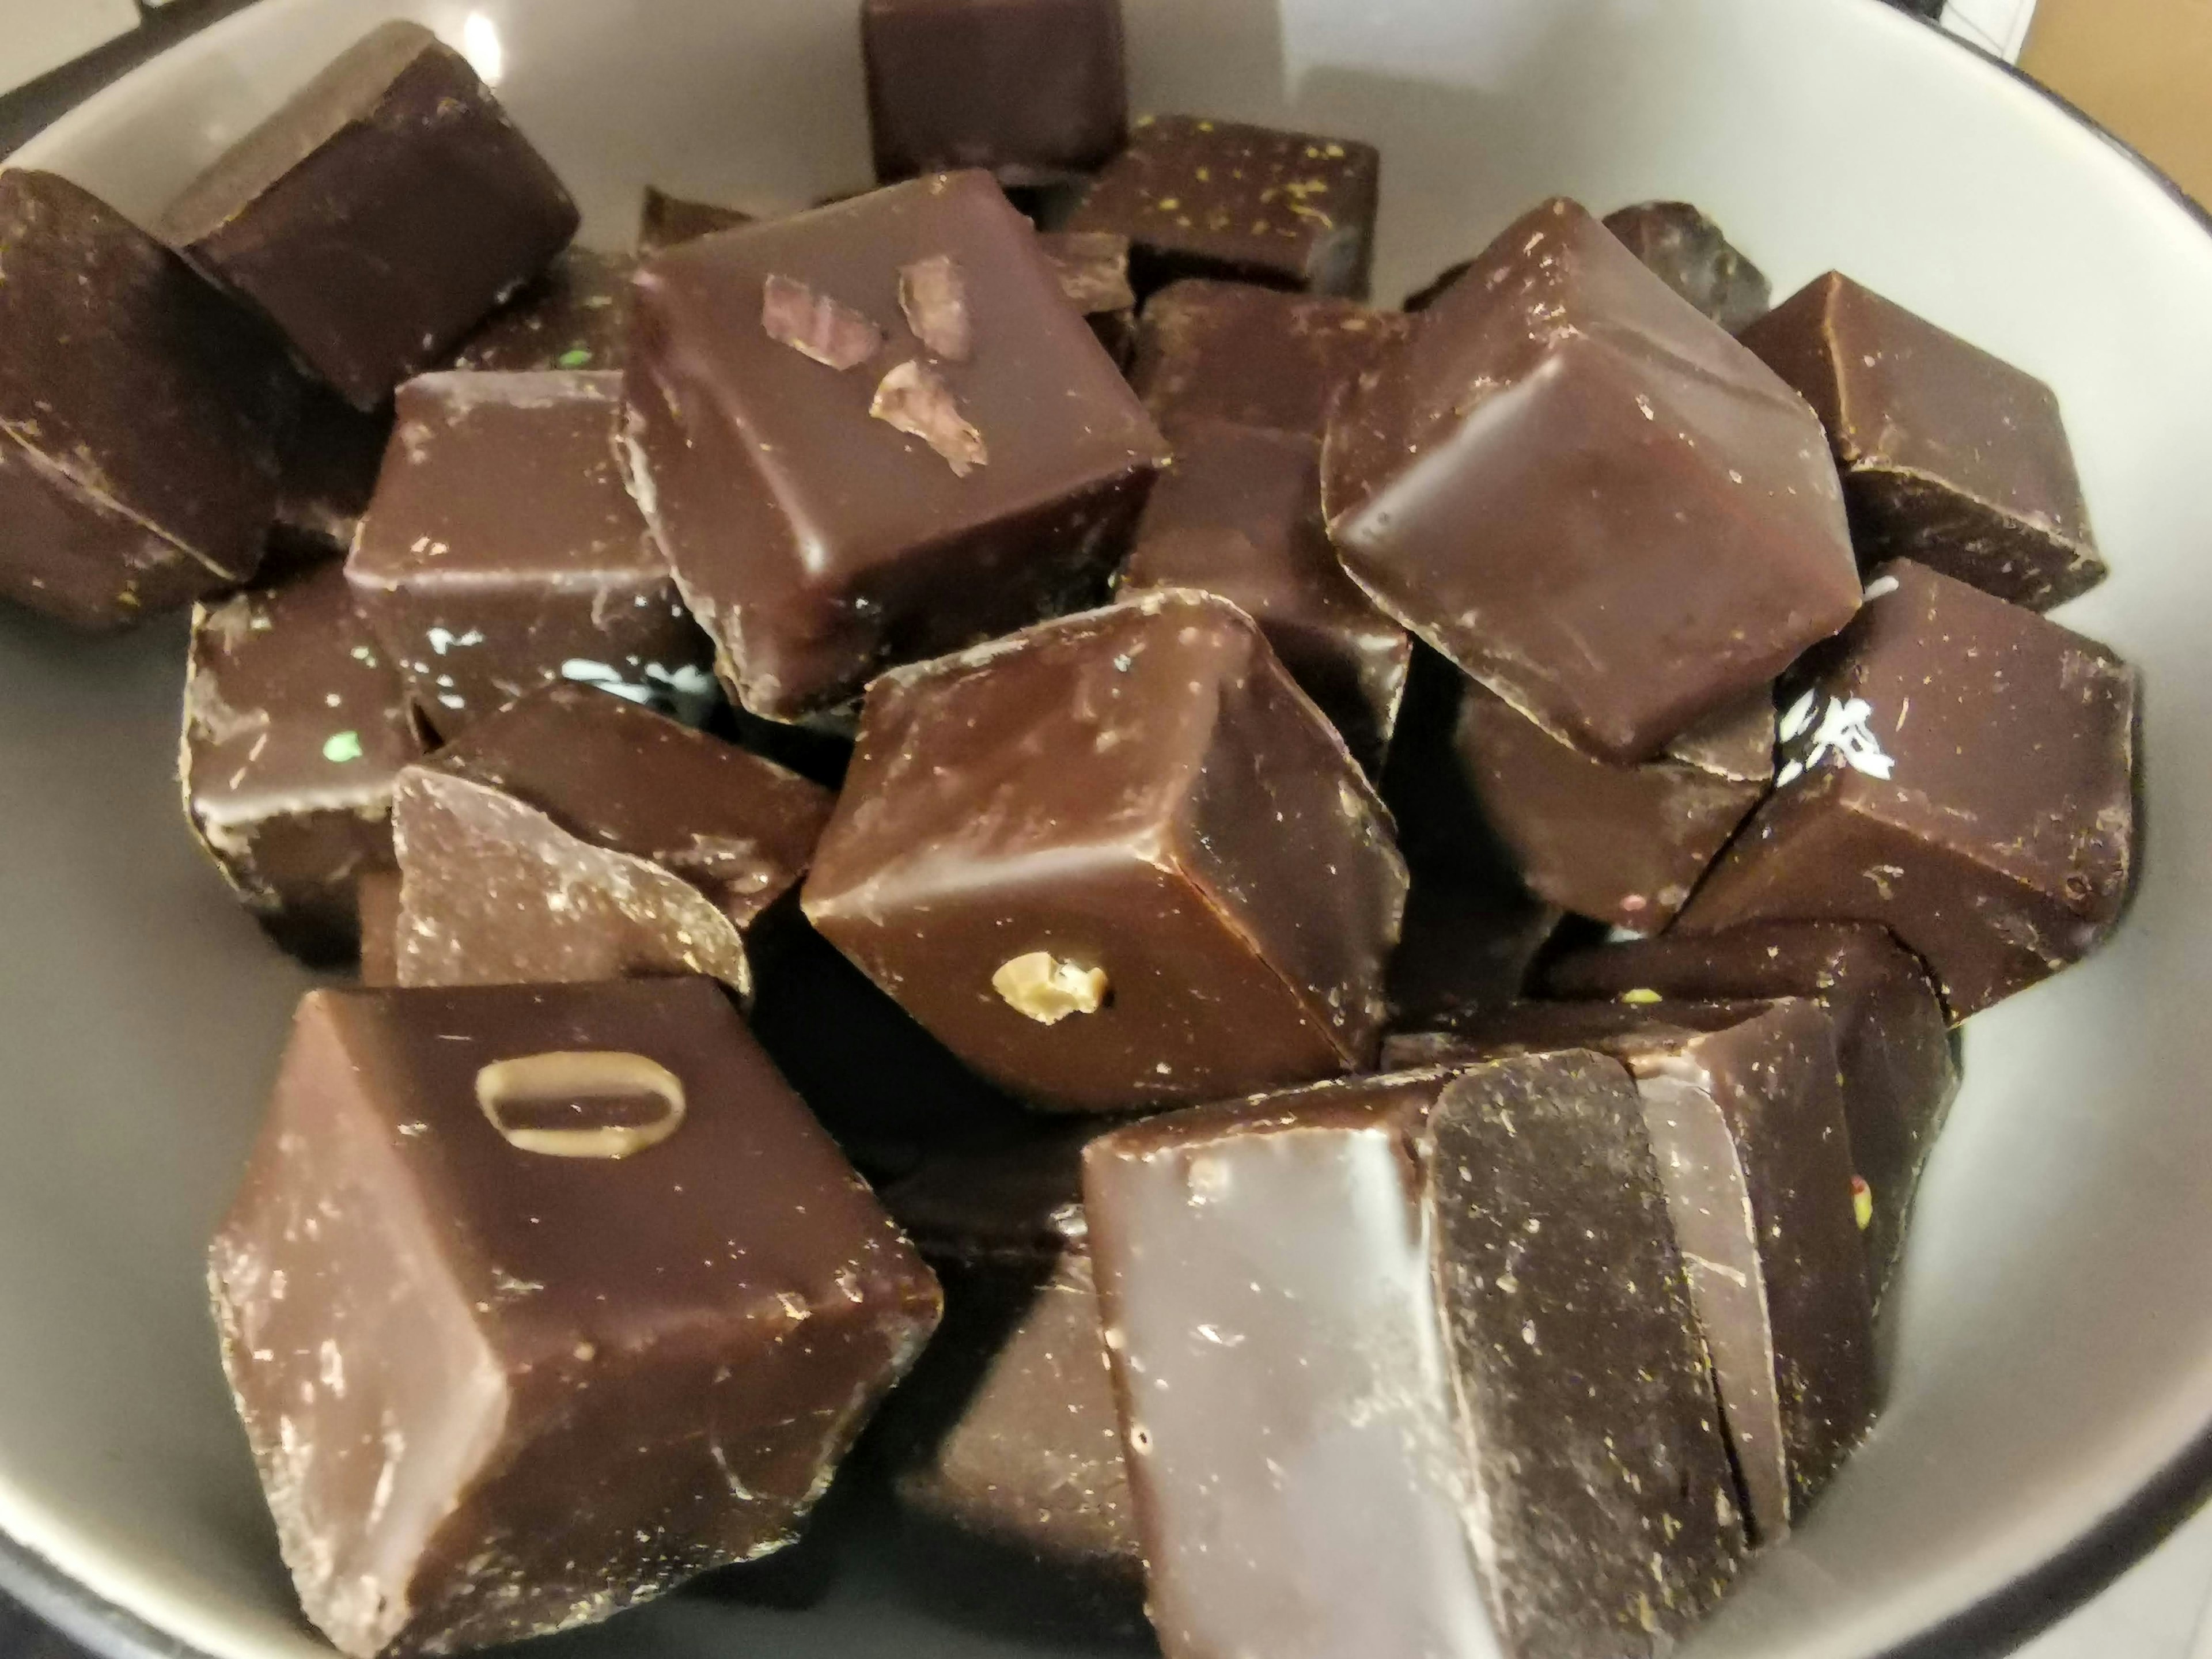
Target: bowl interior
[2051,1341]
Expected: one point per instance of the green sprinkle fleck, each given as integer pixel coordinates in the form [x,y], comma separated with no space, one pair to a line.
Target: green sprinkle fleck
[579,358]
[340,747]
[1640,997]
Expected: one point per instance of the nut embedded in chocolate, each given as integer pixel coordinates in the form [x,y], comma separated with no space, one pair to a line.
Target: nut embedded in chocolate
[935,298]
[816,325]
[919,404]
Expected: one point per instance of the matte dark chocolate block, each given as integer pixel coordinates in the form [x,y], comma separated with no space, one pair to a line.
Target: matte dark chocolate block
[665,220]
[1950,457]
[1958,770]
[1892,1044]
[1620,844]
[1234,351]
[1118,860]
[1589,497]
[1408,1368]
[1034,91]
[137,468]
[330,453]
[817,532]
[1199,197]
[575,316]
[1687,252]
[537,1301]
[502,553]
[1239,513]
[296,726]
[377,215]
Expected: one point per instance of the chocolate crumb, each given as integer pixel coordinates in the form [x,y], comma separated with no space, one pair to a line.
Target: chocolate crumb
[916,402]
[816,325]
[935,301]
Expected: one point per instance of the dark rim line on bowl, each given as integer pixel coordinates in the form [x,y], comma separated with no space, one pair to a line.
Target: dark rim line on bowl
[2001,1620]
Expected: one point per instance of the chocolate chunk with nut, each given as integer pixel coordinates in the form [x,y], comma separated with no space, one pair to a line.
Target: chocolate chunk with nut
[1201,907]
[1687,252]
[1958,770]
[537,1301]
[380,215]
[576,315]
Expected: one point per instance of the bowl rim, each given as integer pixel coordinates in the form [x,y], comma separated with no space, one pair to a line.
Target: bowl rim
[2002,1619]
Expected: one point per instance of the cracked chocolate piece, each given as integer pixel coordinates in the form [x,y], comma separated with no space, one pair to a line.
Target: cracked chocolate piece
[1239,513]
[1200,197]
[666,221]
[537,1301]
[1033,91]
[1891,1045]
[502,553]
[820,546]
[1232,351]
[137,464]
[1141,794]
[380,215]
[1619,844]
[1958,770]
[296,726]
[1687,252]
[1598,504]
[1093,268]
[1407,1367]
[1950,457]
[575,316]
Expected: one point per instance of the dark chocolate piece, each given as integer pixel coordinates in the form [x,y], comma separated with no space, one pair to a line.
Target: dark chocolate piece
[820,545]
[1408,1368]
[1033,91]
[1958,770]
[1621,844]
[575,316]
[330,453]
[1950,457]
[1233,351]
[1239,513]
[1892,1047]
[502,553]
[1118,860]
[1745,1116]
[376,902]
[377,215]
[1590,498]
[1687,252]
[296,726]
[138,469]
[665,221]
[1093,268]
[1197,198]
[538,1301]
[1467,947]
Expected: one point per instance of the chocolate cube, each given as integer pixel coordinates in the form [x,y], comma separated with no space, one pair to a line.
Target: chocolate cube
[296,726]
[1035,91]
[1093,268]
[576,315]
[380,215]
[1958,770]
[1238,514]
[1198,197]
[873,433]
[1892,1048]
[1686,250]
[1590,498]
[1950,457]
[137,468]
[1620,844]
[665,220]
[502,553]
[1118,860]
[537,1301]
[1407,1367]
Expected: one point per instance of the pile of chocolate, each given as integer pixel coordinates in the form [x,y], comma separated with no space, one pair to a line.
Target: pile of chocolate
[797,702]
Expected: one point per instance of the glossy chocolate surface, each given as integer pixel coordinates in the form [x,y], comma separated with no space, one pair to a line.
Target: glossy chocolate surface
[576,315]
[138,469]
[493,1392]
[1118,860]
[1958,770]
[1589,497]
[1950,457]
[1687,252]
[379,214]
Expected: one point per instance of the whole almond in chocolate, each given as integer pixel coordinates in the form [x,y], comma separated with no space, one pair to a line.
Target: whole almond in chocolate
[1117,861]
[1589,497]
[834,498]
[1950,457]
[379,214]
[1958,770]
[137,469]
[502,553]
[1686,250]
[576,315]
[537,1301]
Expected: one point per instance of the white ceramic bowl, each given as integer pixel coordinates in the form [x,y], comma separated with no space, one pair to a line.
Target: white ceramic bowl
[2052,1342]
